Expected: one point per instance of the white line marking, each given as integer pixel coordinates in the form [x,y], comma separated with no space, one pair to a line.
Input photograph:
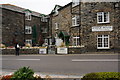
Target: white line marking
[95,60]
[22,59]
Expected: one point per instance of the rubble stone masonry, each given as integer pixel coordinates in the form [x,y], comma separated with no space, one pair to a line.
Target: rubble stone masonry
[89,19]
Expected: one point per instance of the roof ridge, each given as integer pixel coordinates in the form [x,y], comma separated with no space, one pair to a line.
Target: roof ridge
[19,9]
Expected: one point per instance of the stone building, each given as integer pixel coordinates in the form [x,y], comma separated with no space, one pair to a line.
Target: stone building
[22,26]
[92,25]
[60,19]
[100,26]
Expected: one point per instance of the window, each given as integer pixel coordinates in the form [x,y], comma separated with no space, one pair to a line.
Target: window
[44,19]
[76,41]
[103,41]
[44,30]
[28,41]
[75,20]
[28,30]
[28,15]
[103,17]
[116,5]
[56,26]
[75,3]
[46,41]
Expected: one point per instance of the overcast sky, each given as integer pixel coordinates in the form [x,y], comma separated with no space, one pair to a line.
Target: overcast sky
[42,6]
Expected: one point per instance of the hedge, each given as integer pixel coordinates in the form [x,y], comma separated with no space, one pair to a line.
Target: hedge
[102,76]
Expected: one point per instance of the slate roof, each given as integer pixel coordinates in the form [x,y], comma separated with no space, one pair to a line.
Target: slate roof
[18,9]
[65,6]
[60,8]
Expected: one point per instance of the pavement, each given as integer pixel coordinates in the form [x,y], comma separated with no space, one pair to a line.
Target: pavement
[43,75]
[90,53]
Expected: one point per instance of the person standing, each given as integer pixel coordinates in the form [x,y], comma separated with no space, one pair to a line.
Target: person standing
[17,48]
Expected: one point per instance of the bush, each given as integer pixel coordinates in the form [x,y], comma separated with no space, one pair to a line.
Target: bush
[23,74]
[102,76]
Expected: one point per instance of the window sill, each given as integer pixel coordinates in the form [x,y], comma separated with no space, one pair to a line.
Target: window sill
[103,48]
[76,46]
[28,33]
[103,22]
[28,19]
[75,25]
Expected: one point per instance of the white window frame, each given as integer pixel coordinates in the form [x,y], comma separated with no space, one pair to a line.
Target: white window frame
[46,41]
[75,3]
[56,26]
[44,19]
[76,41]
[28,30]
[28,41]
[56,35]
[44,30]
[75,20]
[102,15]
[27,15]
[103,37]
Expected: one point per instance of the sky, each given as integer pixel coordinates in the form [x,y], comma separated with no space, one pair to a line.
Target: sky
[41,6]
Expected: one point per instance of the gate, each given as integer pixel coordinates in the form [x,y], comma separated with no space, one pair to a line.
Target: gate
[51,49]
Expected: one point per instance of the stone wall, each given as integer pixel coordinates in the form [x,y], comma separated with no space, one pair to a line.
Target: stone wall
[34,22]
[89,19]
[12,27]
[63,19]
[36,51]
[75,30]
[76,50]
[22,51]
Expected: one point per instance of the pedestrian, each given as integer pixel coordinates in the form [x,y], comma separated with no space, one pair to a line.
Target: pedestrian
[17,48]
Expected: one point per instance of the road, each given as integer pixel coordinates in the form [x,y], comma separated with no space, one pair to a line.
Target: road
[63,64]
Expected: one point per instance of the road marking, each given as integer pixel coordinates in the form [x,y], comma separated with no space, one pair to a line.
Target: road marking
[22,59]
[95,60]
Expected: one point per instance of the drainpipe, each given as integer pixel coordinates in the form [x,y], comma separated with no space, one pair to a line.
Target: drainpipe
[24,27]
[80,21]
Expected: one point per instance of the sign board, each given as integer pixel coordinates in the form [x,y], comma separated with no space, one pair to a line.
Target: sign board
[62,50]
[42,51]
[102,28]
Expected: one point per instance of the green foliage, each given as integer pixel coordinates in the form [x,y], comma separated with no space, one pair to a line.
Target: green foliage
[102,76]
[23,74]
